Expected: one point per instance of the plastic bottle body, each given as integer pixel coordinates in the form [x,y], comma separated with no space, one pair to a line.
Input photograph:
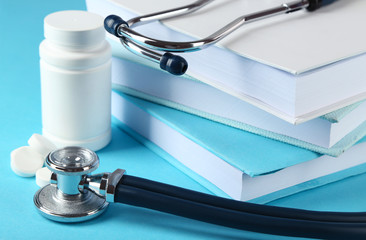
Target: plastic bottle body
[76,94]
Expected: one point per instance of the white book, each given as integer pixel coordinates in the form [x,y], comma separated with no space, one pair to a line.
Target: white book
[197,98]
[296,66]
[245,166]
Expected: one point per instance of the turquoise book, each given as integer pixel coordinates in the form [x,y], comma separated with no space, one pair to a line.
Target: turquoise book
[228,161]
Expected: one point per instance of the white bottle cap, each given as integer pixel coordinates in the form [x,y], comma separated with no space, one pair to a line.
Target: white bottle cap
[74,28]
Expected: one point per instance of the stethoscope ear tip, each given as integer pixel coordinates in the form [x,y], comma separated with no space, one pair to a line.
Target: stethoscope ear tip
[173,64]
[112,22]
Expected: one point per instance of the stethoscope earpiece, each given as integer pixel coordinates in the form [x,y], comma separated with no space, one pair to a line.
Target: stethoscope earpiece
[112,23]
[173,64]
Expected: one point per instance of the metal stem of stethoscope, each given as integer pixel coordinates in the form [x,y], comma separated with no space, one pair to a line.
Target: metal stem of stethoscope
[147,47]
[75,196]
[159,45]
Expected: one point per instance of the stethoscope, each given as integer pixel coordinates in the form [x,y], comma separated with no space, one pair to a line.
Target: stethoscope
[74,195]
[149,47]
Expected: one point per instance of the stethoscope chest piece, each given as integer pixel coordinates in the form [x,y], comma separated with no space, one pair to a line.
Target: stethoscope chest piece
[65,199]
[59,207]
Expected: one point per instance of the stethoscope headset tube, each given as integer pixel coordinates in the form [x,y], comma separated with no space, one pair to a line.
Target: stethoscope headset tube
[95,191]
[149,48]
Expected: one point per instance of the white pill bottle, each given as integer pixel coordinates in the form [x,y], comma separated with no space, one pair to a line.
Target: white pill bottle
[76,80]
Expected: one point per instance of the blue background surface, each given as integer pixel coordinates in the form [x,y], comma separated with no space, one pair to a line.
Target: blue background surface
[21,31]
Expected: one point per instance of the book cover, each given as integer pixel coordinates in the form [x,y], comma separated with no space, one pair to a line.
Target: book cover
[230,158]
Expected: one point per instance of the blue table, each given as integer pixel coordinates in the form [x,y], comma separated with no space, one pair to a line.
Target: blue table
[21,29]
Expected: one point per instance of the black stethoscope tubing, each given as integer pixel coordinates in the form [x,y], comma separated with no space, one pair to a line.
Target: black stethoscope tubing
[240,215]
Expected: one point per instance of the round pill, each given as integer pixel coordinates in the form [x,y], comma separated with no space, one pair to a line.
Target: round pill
[41,144]
[43,177]
[25,161]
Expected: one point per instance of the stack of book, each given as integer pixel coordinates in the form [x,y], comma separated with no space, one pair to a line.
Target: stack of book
[270,112]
